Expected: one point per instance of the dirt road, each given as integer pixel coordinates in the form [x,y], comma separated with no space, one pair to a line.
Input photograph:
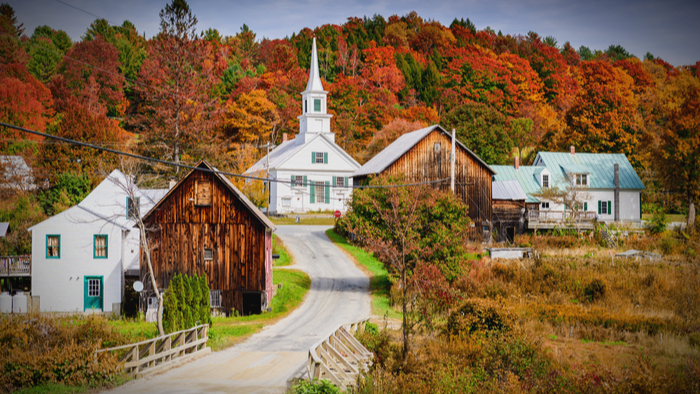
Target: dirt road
[269,359]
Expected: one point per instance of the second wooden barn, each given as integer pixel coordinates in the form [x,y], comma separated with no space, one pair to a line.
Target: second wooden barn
[424,155]
[205,225]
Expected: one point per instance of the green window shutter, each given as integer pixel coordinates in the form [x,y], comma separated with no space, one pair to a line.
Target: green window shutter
[305,182]
[328,193]
[312,192]
[585,206]
[292,184]
[313,157]
[345,184]
[325,157]
[600,207]
[334,182]
[609,208]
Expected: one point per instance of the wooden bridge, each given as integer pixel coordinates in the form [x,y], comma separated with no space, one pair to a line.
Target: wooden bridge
[16,265]
[545,220]
[340,357]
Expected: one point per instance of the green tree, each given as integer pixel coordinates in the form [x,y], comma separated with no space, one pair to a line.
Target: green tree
[172,309]
[482,129]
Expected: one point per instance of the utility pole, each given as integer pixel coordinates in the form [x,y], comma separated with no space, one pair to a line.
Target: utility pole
[452,163]
[269,192]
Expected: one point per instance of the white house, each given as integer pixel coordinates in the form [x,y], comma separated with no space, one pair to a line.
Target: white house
[313,172]
[79,256]
[610,185]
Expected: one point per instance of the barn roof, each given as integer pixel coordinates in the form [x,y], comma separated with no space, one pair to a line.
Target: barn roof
[403,144]
[233,189]
[526,176]
[508,190]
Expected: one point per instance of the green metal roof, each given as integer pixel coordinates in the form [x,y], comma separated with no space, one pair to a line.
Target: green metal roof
[526,176]
[599,165]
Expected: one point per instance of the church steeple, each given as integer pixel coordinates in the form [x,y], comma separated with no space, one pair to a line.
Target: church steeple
[314,118]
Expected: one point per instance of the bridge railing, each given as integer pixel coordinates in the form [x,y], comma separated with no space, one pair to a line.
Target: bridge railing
[152,354]
[340,357]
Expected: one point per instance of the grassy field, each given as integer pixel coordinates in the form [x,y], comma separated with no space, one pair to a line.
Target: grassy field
[669,217]
[305,221]
[279,248]
[379,277]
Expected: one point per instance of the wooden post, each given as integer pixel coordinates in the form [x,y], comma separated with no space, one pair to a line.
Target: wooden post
[452,164]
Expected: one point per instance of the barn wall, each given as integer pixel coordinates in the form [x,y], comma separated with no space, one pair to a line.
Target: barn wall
[179,232]
[472,179]
[508,214]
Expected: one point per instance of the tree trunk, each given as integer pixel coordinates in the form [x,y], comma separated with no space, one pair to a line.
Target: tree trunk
[404,301]
[691,213]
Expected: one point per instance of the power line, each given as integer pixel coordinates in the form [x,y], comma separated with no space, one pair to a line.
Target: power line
[87,12]
[169,163]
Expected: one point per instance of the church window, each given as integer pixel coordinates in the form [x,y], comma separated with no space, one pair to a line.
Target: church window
[319,157]
[306,106]
[320,192]
[317,105]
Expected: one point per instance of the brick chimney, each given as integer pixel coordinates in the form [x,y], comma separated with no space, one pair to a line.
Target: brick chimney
[284,137]
[173,182]
[516,162]
[572,149]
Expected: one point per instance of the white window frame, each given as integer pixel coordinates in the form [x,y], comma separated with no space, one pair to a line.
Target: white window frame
[340,181]
[320,192]
[298,181]
[545,181]
[93,287]
[544,205]
[319,156]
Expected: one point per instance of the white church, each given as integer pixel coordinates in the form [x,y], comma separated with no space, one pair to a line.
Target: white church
[314,171]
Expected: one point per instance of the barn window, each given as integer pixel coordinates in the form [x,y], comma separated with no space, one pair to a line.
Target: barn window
[133,207]
[202,193]
[215,298]
[436,147]
[208,254]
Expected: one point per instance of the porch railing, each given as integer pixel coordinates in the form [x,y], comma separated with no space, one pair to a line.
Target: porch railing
[16,265]
[561,216]
[145,356]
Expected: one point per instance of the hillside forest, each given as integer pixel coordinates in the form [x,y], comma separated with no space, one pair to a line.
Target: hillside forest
[190,93]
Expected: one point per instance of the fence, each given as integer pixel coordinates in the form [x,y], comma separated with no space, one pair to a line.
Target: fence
[16,265]
[560,216]
[156,354]
[340,357]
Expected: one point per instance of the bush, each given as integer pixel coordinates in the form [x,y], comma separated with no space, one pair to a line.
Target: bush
[186,303]
[313,387]
[479,316]
[595,290]
[658,222]
[694,339]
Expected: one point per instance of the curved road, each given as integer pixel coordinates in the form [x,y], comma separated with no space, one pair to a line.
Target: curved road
[269,359]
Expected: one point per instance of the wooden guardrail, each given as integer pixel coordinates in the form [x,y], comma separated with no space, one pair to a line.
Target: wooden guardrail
[159,353]
[16,265]
[340,357]
[560,216]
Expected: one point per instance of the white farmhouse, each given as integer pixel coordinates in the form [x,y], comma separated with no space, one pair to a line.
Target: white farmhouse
[313,172]
[80,255]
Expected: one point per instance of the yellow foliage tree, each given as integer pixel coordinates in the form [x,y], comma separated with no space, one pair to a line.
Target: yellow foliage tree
[250,118]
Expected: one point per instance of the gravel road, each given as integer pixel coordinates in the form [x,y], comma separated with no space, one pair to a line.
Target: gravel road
[268,360]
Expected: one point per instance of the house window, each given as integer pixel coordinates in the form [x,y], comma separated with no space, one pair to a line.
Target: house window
[317,105]
[545,180]
[320,192]
[604,208]
[93,287]
[215,298]
[340,181]
[202,193]
[133,207]
[297,180]
[208,254]
[436,147]
[319,157]
[581,179]
[287,202]
[53,246]
[545,205]
[100,247]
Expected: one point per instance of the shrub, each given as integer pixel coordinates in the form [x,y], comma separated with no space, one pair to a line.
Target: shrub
[595,290]
[186,303]
[479,316]
[694,339]
[658,222]
[313,387]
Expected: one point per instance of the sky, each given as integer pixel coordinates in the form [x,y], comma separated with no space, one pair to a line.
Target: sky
[667,29]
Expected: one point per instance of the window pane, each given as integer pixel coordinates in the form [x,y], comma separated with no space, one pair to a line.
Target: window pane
[319,157]
[320,192]
[545,180]
[101,246]
[52,246]
[317,105]
[340,181]
[298,180]
[93,287]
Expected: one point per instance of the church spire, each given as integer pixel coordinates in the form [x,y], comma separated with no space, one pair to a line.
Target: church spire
[314,84]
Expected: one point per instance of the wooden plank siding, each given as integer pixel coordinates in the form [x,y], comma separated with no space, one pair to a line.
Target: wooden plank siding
[179,230]
[508,214]
[473,179]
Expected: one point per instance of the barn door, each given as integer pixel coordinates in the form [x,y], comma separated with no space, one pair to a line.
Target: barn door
[94,293]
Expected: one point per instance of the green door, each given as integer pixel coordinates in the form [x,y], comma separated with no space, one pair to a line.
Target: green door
[93,292]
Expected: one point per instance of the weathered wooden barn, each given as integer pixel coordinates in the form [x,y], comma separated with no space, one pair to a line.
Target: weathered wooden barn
[205,225]
[509,210]
[424,155]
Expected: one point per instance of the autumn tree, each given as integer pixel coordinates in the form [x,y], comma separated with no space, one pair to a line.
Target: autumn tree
[129,43]
[388,134]
[482,129]
[175,85]
[679,149]
[250,118]
[11,49]
[46,49]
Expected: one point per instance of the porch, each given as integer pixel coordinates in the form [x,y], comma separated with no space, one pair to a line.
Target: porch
[13,266]
[545,220]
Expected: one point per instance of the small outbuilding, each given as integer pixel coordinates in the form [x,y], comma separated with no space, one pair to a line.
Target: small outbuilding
[508,210]
[205,225]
